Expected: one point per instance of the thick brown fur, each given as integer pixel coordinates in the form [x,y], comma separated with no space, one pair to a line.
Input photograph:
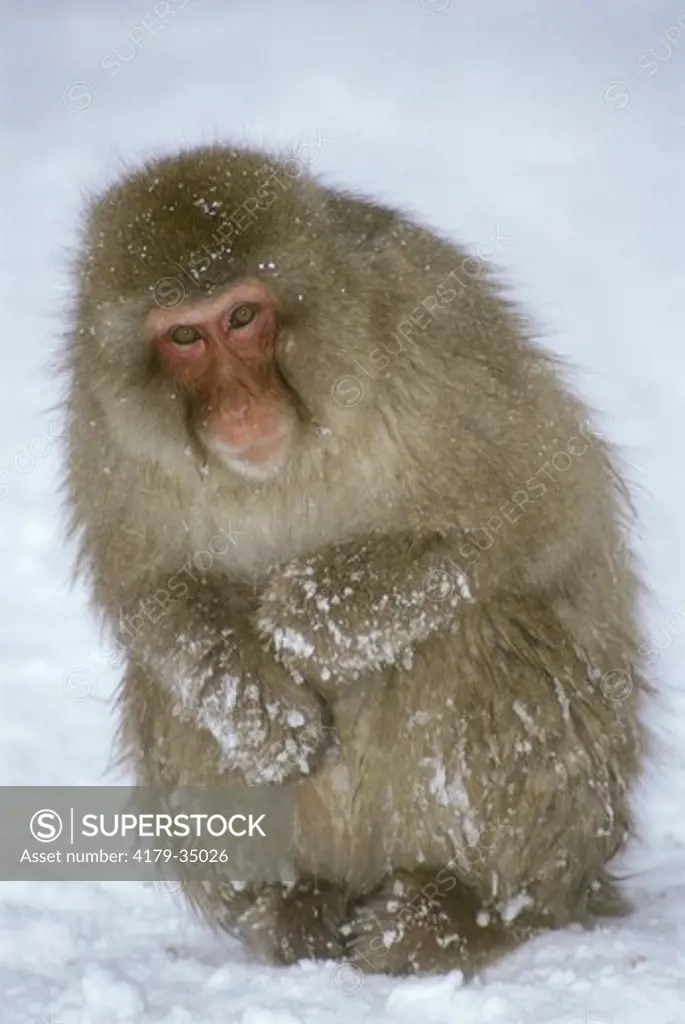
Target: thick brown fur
[462,759]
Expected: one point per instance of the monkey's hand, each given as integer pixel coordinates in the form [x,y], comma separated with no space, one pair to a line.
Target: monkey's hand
[268,726]
[356,608]
[269,733]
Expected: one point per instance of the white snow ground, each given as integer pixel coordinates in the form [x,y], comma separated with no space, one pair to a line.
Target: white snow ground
[550,122]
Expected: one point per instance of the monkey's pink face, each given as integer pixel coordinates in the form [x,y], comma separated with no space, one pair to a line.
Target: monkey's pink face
[222,352]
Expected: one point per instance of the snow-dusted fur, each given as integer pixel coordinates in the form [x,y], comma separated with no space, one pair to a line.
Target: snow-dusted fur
[425,623]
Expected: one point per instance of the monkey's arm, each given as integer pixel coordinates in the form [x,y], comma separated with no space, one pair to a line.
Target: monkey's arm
[355,608]
[206,658]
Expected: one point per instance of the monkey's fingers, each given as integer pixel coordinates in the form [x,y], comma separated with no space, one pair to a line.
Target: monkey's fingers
[407,926]
[308,923]
[270,738]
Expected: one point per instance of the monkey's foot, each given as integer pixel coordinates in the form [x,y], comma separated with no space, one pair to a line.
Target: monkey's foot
[308,923]
[409,927]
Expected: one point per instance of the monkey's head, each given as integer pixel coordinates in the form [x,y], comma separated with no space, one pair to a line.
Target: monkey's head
[218,306]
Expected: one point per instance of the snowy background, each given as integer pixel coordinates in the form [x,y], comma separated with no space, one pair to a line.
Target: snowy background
[560,125]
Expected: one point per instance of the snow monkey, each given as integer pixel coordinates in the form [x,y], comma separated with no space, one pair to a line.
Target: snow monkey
[420,615]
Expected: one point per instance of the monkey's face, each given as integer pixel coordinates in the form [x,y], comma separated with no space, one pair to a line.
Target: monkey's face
[240,372]
[220,352]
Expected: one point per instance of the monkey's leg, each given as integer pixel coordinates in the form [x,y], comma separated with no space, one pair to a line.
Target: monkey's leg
[282,922]
[508,769]
[546,755]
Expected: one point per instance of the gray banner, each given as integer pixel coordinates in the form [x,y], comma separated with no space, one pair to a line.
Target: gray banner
[134,833]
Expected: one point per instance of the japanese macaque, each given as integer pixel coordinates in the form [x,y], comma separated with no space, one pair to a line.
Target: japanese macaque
[423,619]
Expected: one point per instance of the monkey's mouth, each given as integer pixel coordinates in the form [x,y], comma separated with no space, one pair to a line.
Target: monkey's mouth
[260,459]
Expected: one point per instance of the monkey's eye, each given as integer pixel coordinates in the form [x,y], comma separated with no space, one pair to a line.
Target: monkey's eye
[185,336]
[242,315]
